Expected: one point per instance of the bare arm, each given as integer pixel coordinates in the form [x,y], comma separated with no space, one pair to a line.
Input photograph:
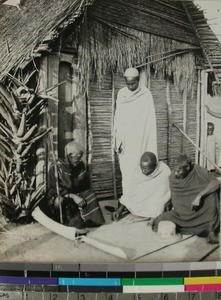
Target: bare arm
[213,186]
[77,199]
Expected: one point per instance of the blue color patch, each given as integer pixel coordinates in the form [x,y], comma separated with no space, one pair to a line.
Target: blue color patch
[90,281]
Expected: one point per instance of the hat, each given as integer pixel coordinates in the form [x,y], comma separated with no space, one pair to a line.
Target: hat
[167,232]
[131,72]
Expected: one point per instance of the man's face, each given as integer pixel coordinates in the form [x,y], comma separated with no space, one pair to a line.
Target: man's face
[132,83]
[210,130]
[146,167]
[75,157]
[182,170]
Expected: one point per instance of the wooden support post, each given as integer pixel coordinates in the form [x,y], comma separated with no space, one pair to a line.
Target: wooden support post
[198,116]
[203,131]
[113,138]
[184,110]
[169,113]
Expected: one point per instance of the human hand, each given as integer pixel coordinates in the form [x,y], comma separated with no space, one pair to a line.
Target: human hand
[82,203]
[78,200]
[116,215]
[196,202]
[58,201]
[168,206]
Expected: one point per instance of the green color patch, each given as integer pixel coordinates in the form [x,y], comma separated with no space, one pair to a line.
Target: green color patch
[152,281]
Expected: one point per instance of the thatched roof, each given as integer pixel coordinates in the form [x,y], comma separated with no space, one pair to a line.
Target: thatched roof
[27,32]
[208,41]
[162,18]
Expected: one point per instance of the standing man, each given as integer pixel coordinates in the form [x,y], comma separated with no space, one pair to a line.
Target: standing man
[135,126]
[212,147]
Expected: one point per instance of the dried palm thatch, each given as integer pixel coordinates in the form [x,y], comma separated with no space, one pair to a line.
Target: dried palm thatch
[27,33]
[20,110]
[103,47]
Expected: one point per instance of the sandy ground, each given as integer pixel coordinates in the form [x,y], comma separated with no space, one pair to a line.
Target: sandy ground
[35,243]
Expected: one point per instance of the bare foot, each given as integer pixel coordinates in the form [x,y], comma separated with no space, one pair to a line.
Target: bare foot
[212,238]
[80,232]
[150,222]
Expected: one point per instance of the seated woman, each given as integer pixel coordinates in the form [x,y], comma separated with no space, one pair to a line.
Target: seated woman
[79,204]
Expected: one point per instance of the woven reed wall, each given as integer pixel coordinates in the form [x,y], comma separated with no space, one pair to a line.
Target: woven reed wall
[158,90]
[100,119]
[170,140]
[103,166]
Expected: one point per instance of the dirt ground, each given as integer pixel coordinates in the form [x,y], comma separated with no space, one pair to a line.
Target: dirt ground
[35,243]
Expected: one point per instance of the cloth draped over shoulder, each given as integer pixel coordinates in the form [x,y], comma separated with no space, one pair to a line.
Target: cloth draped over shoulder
[75,180]
[183,192]
[135,129]
[147,195]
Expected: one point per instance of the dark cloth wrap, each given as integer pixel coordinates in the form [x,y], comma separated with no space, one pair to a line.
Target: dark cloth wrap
[183,192]
[73,180]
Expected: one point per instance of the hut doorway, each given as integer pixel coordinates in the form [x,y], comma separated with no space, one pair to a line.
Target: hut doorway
[65,115]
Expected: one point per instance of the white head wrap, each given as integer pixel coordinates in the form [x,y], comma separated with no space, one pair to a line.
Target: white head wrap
[131,72]
[72,147]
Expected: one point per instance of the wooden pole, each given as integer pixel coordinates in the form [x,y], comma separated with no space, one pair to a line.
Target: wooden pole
[198,148]
[203,125]
[169,113]
[198,116]
[113,137]
[184,110]
[162,58]
[56,175]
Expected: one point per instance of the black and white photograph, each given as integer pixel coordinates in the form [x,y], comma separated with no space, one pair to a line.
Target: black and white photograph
[110,131]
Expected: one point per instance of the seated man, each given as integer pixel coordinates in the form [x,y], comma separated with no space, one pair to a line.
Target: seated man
[149,193]
[195,200]
[79,204]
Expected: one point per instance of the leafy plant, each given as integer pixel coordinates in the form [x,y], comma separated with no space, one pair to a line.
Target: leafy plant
[20,109]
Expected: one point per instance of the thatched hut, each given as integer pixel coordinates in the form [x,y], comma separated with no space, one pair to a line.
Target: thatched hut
[79,50]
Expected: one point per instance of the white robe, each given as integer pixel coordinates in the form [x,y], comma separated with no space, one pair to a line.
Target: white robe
[148,194]
[135,129]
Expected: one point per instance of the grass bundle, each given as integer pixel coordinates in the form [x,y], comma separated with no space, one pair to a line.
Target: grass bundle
[103,48]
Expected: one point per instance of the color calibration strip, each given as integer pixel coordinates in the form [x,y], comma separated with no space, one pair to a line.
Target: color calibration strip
[168,281]
[124,285]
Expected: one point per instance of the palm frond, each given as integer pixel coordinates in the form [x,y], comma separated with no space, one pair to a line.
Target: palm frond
[5,145]
[7,117]
[28,76]
[6,130]
[5,156]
